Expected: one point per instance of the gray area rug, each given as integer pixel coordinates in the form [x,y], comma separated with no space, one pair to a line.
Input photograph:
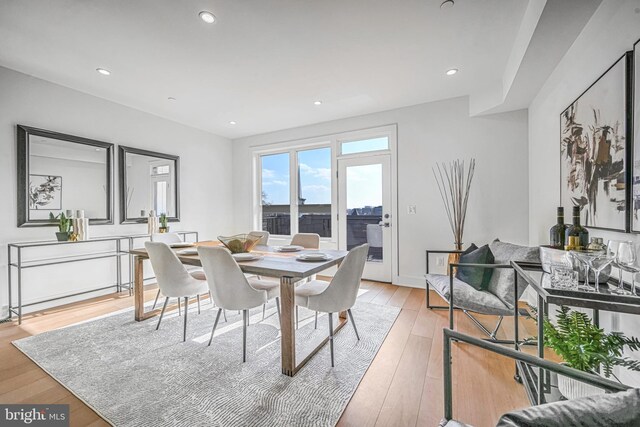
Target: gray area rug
[133,375]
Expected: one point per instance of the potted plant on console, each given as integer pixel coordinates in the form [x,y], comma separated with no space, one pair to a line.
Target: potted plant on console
[64,226]
[584,346]
[164,228]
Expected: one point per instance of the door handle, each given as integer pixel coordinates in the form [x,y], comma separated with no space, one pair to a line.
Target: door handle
[384,224]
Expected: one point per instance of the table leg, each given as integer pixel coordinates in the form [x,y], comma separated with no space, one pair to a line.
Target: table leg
[540,346]
[287,326]
[138,292]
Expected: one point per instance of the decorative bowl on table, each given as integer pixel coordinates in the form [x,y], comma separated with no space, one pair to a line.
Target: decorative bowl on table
[240,243]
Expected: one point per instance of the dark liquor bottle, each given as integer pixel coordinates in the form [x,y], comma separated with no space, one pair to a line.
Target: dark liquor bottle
[557,232]
[576,230]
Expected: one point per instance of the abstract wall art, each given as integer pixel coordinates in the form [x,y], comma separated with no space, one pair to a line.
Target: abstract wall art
[595,152]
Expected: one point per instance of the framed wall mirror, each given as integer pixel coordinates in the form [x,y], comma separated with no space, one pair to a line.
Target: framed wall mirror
[148,181]
[59,173]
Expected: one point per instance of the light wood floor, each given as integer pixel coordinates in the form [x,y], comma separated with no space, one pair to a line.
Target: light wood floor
[403,386]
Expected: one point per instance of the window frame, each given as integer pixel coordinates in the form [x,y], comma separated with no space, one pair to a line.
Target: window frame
[334,142]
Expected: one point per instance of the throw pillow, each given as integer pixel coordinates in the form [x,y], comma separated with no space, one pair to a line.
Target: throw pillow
[502,283]
[478,278]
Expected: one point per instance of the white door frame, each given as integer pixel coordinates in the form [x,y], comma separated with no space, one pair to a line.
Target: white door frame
[379,271]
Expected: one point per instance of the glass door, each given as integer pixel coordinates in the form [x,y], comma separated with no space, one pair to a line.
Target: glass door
[364,211]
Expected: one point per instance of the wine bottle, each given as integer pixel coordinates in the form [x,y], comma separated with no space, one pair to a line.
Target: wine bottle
[557,232]
[576,230]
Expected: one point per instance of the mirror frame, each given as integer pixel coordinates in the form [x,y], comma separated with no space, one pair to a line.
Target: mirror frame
[23,133]
[122,154]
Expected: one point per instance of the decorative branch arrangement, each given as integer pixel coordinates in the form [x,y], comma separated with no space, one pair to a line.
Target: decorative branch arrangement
[454,184]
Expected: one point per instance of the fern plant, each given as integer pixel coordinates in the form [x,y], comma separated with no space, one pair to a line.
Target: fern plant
[586,347]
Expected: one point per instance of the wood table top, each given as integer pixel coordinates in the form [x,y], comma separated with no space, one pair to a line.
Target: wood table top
[272,264]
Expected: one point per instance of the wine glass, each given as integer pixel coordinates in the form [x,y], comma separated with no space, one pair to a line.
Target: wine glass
[598,263]
[626,259]
[584,257]
[614,248]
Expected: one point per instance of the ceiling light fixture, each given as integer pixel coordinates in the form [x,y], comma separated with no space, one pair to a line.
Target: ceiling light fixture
[171,98]
[207,17]
[317,103]
[233,123]
[447,4]
[452,71]
[103,71]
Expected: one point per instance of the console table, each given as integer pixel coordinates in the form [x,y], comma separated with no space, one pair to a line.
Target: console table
[16,262]
[538,385]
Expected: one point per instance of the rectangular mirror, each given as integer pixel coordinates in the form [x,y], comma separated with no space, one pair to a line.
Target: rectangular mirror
[58,173]
[148,181]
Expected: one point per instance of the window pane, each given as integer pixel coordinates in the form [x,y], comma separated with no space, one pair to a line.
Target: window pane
[364,208]
[314,191]
[276,209]
[365,145]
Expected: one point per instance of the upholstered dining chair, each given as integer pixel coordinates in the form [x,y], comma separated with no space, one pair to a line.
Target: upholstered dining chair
[338,295]
[197,273]
[264,237]
[306,240]
[232,290]
[173,278]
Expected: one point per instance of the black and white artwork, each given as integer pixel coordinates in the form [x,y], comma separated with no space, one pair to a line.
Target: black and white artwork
[593,152]
[45,192]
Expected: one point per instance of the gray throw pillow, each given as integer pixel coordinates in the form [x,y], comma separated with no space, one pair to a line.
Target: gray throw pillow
[478,278]
[502,283]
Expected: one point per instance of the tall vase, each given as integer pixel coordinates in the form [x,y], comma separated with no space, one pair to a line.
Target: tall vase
[454,257]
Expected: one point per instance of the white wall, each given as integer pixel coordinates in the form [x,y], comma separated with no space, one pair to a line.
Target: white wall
[206,200]
[611,31]
[429,133]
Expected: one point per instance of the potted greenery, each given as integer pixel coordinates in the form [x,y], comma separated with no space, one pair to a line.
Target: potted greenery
[584,346]
[64,226]
[164,228]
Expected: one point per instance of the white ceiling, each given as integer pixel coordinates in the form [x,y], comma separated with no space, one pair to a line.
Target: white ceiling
[264,62]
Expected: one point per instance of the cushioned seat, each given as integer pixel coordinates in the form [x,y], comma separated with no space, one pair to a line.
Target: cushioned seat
[304,291]
[272,288]
[468,298]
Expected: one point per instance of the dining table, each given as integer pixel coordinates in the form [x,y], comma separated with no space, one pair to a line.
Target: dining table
[273,263]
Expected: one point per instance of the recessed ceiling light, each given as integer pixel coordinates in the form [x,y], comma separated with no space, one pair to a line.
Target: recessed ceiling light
[97,149]
[103,71]
[452,71]
[207,17]
[171,98]
[447,4]
[317,103]
[233,123]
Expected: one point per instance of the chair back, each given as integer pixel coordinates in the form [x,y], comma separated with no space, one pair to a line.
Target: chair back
[343,290]
[306,240]
[229,286]
[166,238]
[264,237]
[170,273]
[374,235]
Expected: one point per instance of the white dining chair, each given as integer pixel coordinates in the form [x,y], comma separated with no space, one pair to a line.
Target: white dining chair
[264,237]
[231,290]
[173,279]
[197,273]
[338,295]
[307,241]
